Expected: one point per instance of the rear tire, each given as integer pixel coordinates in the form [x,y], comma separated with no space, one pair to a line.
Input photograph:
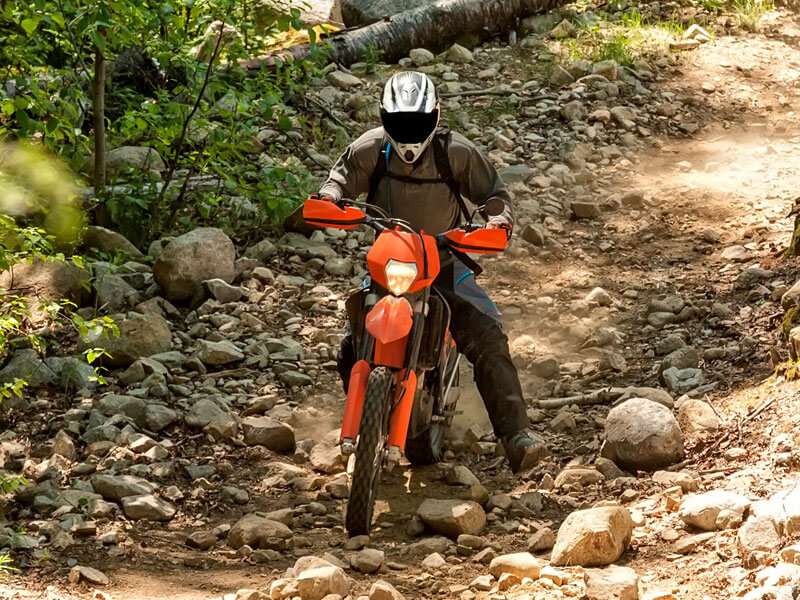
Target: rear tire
[372,432]
[428,447]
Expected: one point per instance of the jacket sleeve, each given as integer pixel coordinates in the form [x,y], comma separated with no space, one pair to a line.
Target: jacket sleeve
[349,176]
[479,180]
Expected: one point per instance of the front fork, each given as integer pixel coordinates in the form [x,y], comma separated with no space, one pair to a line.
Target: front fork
[405,389]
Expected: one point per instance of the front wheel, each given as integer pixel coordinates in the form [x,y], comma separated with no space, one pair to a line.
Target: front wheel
[372,433]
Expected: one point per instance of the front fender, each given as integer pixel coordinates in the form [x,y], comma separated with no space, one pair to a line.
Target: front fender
[389,322]
[390,319]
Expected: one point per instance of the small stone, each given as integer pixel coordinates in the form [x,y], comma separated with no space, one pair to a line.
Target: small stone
[268,432]
[421,56]
[452,517]
[542,540]
[80,573]
[342,80]
[459,55]
[546,367]
[521,564]
[433,562]
[611,583]
[701,510]
[381,590]
[368,560]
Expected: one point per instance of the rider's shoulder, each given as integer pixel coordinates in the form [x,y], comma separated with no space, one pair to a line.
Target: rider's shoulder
[369,142]
[460,145]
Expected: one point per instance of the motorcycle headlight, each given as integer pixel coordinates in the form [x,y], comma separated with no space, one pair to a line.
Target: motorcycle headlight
[400,276]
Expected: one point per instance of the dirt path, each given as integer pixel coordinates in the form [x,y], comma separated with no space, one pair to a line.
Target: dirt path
[731,184]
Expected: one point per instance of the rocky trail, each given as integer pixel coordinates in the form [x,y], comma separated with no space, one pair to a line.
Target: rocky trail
[647,267]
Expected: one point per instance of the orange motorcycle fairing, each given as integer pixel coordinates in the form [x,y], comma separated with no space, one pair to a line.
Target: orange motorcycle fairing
[401,416]
[325,213]
[389,322]
[359,375]
[402,246]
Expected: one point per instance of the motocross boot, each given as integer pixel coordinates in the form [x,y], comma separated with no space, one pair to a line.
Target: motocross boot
[523,451]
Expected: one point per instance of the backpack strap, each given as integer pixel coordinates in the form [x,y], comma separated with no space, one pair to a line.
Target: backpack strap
[380,170]
[441,156]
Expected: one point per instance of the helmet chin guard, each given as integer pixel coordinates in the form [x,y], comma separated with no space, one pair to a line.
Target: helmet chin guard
[410,113]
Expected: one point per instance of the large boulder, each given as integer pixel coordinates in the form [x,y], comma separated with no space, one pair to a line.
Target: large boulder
[192,258]
[139,336]
[42,282]
[593,537]
[642,434]
[363,12]
[452,517]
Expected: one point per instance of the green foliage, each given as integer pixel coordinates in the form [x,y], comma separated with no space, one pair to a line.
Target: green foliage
[7,565]
[199,110]
[616,48]
[373,57]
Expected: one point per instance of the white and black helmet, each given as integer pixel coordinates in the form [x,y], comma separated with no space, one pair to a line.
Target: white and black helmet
[410,113]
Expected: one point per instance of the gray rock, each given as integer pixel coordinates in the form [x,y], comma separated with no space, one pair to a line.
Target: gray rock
[342,80]
[139,336]
[606,68]
[218,353]
[459,55]
[109,241]
[117,487]
[26,365]
[268,432]
[52,281]
[669,344]
[421,56]
[452,517]
[295,379]
[697,418]
[515,174]
[368,560]
[91,575]
[574,111]
[138,158]
[642,434]
[546,367]
[685,357]
[339,267]
[188,260]
[702,510]
[534,234]
[750,277]
[224,292]
[147,506]
[202,413]
[263,251]
[611,583]
[682,381]
[259,532]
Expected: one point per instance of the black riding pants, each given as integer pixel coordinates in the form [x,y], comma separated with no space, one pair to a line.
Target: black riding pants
[480,338]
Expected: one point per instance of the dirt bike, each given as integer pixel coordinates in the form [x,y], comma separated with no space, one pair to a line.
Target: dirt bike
[403,388]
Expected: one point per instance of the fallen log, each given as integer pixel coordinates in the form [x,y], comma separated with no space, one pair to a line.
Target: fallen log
[604,396]
[434,26]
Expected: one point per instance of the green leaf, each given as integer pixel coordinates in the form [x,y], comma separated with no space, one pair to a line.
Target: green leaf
[30,24]
[284,123]
[99,40]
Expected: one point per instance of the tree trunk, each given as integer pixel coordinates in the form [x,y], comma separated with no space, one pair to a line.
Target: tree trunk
[99,116]
[434,26]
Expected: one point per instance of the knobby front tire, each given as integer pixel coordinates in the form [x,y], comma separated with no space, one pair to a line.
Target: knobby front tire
[372,432]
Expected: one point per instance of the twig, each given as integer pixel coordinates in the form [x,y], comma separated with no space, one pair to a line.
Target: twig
[328,112]
[603,396]
[741,422]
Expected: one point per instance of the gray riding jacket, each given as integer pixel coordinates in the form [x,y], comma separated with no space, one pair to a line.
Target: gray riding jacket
[431,207]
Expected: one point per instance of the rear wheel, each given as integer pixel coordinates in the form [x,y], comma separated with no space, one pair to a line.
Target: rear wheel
[428,447]
[372,432]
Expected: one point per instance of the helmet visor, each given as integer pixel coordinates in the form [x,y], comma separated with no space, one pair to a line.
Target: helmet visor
[410,127]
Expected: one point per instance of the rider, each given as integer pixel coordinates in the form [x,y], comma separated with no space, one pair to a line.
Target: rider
[418,172]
